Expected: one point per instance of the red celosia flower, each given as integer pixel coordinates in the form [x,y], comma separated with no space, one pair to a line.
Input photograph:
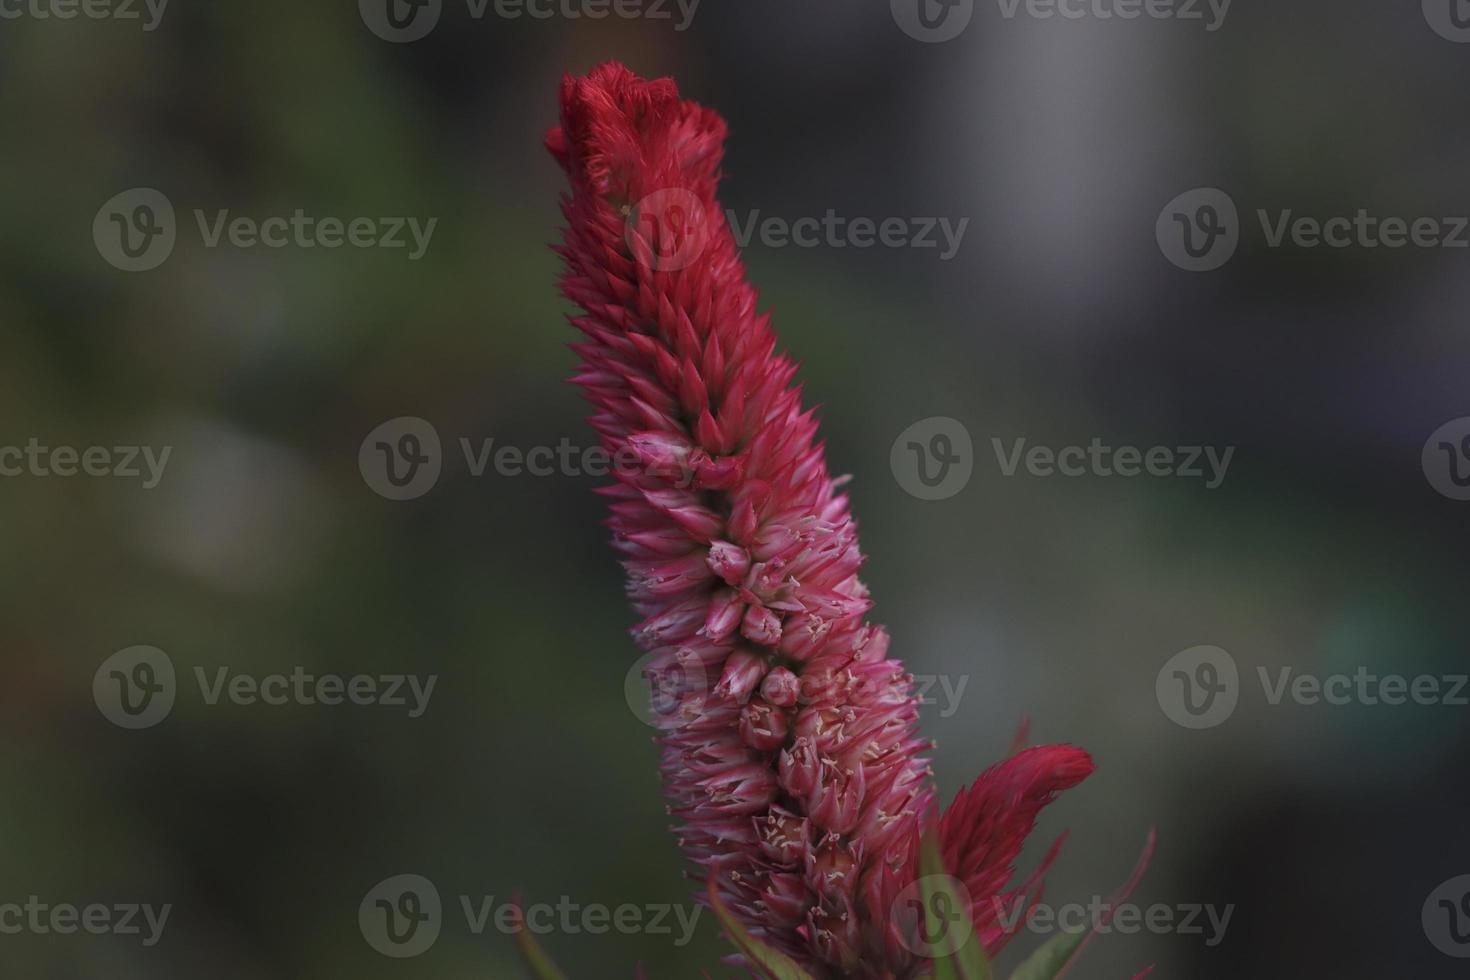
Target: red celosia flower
[789,750]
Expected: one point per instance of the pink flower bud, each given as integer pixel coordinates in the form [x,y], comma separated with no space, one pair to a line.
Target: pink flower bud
[764,726]
[780,687]
[761,626]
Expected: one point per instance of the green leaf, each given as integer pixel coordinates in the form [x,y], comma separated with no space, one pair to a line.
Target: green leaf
[773,964]
[536,959]
[1047,962]
[962,957]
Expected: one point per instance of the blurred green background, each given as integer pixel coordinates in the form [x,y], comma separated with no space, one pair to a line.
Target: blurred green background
[263,548]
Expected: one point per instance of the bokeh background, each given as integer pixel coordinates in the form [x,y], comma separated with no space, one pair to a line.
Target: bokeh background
[263,548]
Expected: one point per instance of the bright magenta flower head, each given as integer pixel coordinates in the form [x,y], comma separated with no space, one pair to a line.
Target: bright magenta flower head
[789,746]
